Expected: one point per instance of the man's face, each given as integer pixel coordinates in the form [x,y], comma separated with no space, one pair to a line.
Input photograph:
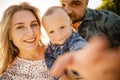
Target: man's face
[75,8]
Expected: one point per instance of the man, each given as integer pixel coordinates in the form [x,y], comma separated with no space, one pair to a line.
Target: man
[92,22]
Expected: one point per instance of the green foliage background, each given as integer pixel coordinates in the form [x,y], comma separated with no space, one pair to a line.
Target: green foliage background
[112,5]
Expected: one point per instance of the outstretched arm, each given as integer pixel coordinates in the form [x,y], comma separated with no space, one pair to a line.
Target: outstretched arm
[94,62]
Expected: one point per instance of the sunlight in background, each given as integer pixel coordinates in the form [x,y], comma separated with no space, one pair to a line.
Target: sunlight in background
[41,4]
[94,3]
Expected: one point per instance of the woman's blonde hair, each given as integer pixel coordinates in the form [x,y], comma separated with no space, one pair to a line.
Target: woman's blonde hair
[8,51]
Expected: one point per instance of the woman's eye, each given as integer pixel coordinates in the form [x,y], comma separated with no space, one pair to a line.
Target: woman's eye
[34,25]
[20,27]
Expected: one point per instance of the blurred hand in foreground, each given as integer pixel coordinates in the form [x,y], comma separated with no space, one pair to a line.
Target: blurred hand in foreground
[96,61]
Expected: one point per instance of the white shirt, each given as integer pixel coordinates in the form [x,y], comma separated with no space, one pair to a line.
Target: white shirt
[22,69]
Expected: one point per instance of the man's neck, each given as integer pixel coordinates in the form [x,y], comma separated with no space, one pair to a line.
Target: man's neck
[76,25]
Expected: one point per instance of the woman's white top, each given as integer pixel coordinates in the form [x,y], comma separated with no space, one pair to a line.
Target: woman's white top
[22,69]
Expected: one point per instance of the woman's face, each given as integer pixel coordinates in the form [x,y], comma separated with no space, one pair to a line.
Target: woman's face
[25,30]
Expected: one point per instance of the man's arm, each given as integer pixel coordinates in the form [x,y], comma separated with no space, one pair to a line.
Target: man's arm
[94,62]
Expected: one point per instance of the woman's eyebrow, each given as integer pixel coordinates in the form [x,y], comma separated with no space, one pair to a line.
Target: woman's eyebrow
[18,23]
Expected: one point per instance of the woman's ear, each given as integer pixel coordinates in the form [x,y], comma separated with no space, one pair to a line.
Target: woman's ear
[10,37]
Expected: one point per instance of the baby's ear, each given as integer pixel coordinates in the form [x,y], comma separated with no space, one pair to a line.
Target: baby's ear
[70,21]
[71,24]
[87,1]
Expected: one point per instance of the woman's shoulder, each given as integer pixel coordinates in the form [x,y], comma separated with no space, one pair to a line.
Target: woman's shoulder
[6,76]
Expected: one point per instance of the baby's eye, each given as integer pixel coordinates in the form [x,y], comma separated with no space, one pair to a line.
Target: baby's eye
[62,27]
[51,32]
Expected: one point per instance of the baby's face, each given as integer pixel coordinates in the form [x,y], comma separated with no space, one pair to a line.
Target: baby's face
[58,26]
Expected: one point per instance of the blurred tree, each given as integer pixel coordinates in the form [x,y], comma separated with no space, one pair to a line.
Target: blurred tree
[112,5]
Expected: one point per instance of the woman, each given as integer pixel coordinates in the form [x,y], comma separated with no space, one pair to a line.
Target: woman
[21,49]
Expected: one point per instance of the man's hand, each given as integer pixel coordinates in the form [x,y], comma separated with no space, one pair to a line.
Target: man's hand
[96,61]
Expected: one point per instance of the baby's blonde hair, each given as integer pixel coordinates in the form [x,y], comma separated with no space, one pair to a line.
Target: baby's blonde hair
[51,10]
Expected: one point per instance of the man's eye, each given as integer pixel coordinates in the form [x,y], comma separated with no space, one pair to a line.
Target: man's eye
[75,4]
[63,4]
[51,32]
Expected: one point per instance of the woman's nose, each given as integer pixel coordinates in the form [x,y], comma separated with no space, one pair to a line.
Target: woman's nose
[30,31]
